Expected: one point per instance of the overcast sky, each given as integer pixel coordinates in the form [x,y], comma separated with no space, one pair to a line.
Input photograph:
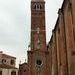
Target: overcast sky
[15,25]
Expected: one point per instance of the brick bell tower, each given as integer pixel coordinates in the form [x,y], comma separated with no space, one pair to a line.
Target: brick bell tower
[38,55]
[38,35]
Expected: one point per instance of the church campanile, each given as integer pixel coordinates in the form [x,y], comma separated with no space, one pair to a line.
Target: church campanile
[38,55]
[38,36]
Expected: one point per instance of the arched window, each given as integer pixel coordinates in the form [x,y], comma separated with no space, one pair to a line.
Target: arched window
[3,61]
[40,6]
[13,73]
[35,6]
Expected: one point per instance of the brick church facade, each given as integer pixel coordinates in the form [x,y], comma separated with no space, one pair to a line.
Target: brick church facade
[58,57]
